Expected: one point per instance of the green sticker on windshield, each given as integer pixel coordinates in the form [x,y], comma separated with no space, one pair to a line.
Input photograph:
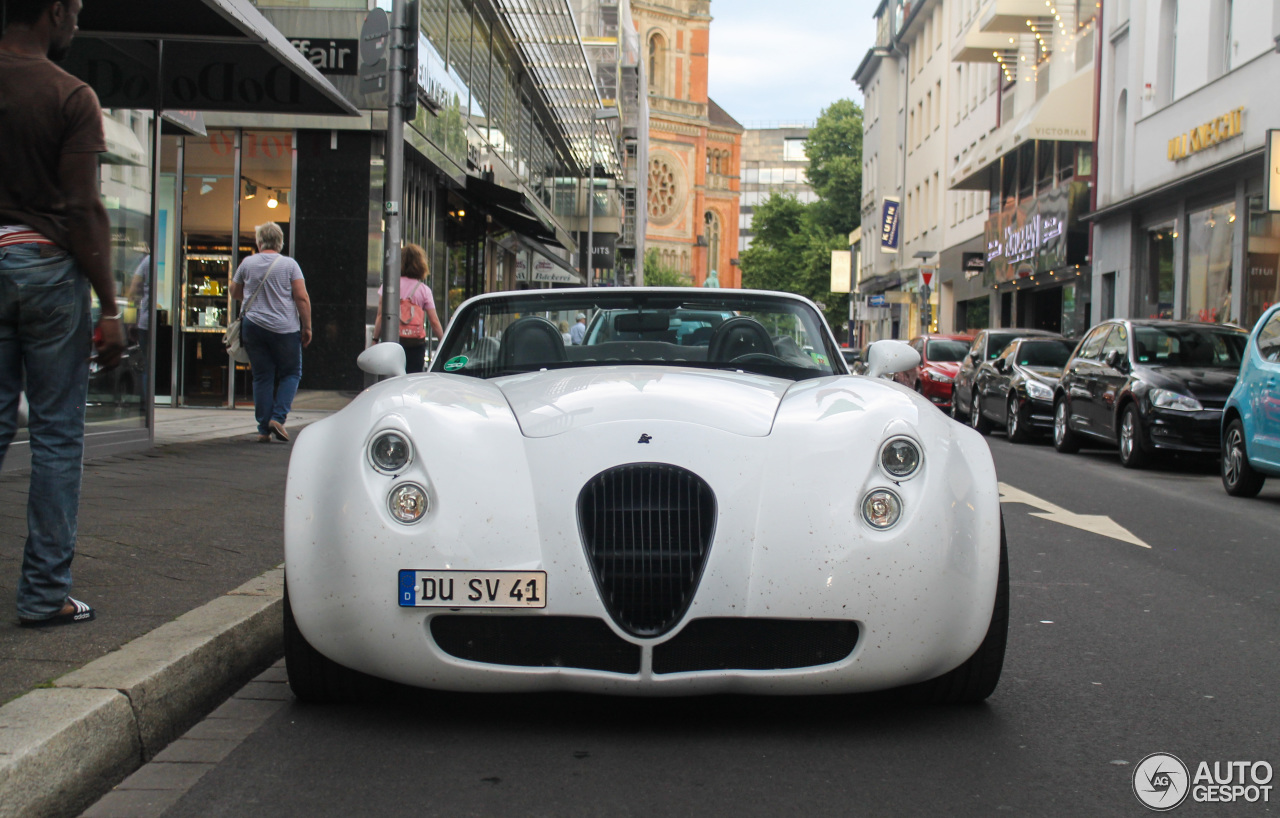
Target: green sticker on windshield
[454,364]
[818,358]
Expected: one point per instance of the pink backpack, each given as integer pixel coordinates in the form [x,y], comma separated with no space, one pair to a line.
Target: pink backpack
[413,320]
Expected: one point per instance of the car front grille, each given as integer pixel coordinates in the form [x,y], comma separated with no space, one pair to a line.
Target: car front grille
[536,641]
[755,644]
[647,528]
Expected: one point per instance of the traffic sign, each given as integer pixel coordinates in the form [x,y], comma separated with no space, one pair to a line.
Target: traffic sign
[926,275]
[374,39]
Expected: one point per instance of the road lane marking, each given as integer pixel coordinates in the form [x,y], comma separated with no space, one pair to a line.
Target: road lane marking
[1093,523]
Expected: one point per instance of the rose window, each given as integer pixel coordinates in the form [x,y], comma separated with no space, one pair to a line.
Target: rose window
[662,189]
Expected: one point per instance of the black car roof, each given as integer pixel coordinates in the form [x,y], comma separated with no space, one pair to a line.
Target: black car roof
[1165,322]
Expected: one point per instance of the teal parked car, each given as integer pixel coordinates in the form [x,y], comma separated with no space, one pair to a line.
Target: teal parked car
[1251,420]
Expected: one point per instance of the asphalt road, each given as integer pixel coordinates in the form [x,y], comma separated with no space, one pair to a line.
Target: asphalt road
[1116,652]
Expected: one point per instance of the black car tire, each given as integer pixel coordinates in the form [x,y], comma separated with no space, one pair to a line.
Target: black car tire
[1018,425]
[1238,477]
[1134,453]
[1064,440]
[977,678]
[313,677]
[955,405]
[977,420]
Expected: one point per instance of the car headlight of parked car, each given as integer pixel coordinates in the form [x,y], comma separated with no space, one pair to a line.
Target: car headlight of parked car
[390,452]
[937,377]
[1165,399]
[1037,390]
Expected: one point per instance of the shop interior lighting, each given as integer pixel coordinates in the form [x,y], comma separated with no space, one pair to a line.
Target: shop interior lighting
[250,189]
[273,200]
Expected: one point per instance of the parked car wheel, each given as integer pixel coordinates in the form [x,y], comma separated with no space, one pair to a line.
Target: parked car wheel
[955,407]
[1017,427]
[1064,440]
[1133,449]
[1238,477]
[977,420]
[976,679]
[314,677]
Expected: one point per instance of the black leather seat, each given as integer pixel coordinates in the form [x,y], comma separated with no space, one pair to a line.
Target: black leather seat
[532,341]
[739,336]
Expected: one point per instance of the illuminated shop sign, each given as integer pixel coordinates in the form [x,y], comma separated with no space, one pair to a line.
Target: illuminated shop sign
[1213,132]
[1031,237]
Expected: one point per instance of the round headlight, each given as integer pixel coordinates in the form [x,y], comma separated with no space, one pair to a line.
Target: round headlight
[900,458]
[390,452]
[408,502]
[881,509]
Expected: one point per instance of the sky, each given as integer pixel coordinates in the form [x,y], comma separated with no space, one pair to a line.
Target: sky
[786,60]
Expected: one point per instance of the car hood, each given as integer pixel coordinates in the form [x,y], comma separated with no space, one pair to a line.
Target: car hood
[1211,382]
[1047,375]
[948,368]
[553,402]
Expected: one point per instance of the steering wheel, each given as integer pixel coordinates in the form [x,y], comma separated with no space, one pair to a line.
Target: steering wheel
[758,359]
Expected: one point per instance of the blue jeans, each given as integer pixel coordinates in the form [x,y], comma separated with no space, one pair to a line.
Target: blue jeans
[276,359]
[45,329]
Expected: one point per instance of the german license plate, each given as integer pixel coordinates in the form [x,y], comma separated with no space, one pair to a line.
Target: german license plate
[473,589]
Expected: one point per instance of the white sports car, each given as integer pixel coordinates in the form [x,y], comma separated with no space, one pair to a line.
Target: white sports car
[696,499]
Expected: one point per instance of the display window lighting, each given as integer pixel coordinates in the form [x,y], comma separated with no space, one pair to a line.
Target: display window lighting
[273,200]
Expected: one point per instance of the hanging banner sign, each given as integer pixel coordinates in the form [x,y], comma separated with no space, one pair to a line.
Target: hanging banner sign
[889,225]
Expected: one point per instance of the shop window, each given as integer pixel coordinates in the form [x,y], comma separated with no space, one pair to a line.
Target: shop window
[1210,242]
[1044,165]
[1262,277]
[1155,283]
[1066,161]
[1026,170]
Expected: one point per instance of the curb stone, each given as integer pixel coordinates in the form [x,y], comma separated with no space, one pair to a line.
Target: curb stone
[62,748]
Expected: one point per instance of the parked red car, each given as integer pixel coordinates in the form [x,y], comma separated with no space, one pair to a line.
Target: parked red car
[940,357]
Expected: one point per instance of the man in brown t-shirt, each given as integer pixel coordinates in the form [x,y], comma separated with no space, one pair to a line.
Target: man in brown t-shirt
[53,247]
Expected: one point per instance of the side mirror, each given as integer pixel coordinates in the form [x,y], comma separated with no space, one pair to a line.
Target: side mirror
[1115,359]
[1000,364]
[385,359]
[890,357]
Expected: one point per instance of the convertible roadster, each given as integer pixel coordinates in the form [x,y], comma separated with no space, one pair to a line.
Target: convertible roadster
[699,498]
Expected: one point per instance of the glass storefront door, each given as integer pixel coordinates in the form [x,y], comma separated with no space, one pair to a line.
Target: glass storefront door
[1210,245]
[1262,264]
[1155,284]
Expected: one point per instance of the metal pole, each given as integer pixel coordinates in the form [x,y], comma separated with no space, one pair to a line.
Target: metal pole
[393,189]
[591,210]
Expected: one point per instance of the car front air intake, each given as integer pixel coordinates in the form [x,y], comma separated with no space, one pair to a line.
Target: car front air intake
[647,528]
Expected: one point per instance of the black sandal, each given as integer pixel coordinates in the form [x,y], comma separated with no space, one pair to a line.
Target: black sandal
[81,613]
[278,432]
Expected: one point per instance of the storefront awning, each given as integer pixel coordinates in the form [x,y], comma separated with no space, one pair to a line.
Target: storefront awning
[516,211]
[206,55]
[1064,114]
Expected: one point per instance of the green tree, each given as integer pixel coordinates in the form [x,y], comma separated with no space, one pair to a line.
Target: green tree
[834,148]
[791,248]
[657,274]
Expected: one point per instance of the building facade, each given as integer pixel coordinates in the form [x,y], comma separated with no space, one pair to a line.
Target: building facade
[1181,230]
[773,162]
[694,147]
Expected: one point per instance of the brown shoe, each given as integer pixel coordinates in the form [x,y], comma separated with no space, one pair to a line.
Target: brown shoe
[263,438]
[278,432]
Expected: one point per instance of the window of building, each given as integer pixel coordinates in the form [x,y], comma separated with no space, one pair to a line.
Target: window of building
[1166,52]
[937,104]
[1262,278]
[1026,170]
[712,221]
[1210,245]
[793,150]
[935,205]
[1044,165]
[657,62]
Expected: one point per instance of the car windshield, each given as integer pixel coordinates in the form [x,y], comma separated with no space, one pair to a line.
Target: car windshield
[1052,354]
[777,336]
[946,351]
[1189,346]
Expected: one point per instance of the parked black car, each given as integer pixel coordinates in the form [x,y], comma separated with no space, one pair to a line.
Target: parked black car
[1016,389]
[987,346]
[1148,386]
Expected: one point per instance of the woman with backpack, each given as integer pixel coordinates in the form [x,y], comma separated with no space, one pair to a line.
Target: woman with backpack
[417,308]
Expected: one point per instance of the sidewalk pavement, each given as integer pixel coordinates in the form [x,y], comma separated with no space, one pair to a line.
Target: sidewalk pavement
[178,551]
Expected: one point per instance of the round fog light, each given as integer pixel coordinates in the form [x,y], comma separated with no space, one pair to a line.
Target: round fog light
[900,458]
[390,452]
[408,502]
[881,509]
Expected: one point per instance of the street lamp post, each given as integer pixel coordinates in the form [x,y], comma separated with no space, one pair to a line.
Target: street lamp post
[590,271]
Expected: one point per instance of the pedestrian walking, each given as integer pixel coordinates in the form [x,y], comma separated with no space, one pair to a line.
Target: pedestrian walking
[579,332]
[275,325]
[417,308]
[53,248]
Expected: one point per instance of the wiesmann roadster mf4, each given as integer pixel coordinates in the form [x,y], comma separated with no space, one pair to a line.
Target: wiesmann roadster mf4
[699,498]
